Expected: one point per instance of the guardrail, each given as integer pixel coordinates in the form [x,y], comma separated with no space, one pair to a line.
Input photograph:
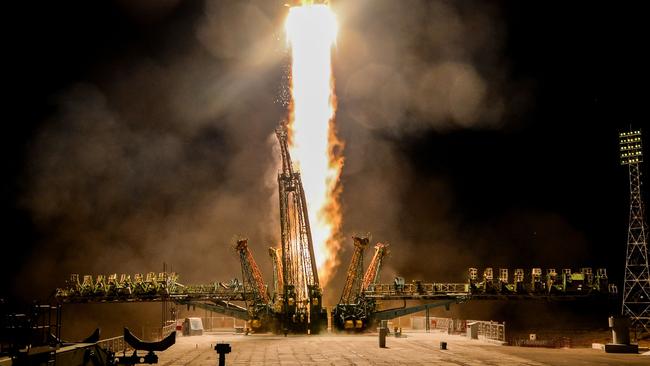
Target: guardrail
[167,329]
[486,329]
[118,344]
[557,342]
[449,325]
[115,344]
[418,289]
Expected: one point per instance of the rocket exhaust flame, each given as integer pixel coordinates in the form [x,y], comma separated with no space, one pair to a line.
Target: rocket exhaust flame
[311,32]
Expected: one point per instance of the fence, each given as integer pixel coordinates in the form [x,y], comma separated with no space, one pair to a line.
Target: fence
[449,325]
[491,330]
[486,329]
[167,329]
[557,342]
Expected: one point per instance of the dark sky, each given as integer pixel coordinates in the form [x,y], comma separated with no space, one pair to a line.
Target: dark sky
[582,66]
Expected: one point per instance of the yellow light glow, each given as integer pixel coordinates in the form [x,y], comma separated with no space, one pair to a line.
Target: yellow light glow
[311,32]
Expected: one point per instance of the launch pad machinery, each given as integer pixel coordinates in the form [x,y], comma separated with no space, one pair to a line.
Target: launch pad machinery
[294,303]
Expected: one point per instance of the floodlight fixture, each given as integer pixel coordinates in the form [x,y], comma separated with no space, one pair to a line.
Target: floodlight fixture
[631,147]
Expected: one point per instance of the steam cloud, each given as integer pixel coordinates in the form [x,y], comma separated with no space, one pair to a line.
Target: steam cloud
[168,157]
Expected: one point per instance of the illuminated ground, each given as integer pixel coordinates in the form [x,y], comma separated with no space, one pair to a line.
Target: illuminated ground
[415,349]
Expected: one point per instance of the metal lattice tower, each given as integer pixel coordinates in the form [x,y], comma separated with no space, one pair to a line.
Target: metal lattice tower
[298,259]
[372,273]
[301,293]
[636,285]
[251,273]
[354,277]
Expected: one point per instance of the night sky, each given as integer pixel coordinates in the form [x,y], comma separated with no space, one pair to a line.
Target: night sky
[581,71]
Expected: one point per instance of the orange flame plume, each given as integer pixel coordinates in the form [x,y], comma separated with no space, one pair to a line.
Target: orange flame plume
[311,31]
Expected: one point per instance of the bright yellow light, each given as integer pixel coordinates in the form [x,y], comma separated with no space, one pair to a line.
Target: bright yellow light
[311,32]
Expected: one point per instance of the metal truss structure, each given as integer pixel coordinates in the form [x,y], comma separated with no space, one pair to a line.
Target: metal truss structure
[352,310]
[220,297]
[354,279]
[636,283]
[567,283]
[251,273]
[296,302]
[374,268]
[259,310]
[152,287]
[302,295]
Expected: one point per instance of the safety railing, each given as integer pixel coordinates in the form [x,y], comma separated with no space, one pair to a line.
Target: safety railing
[115,344]
[486,329]
[417,289]
[449,325]
[490,330]
[167,329]
[154,334]
[118,344]
[557,342]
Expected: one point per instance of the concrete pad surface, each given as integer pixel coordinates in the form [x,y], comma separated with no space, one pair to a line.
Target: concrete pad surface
[414,349]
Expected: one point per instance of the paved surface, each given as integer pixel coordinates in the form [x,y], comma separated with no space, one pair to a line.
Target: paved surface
[414,349]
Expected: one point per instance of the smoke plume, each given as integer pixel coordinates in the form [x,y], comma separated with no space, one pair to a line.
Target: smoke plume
[166,157]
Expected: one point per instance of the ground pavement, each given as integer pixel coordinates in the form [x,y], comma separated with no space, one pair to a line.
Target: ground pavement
[413,349]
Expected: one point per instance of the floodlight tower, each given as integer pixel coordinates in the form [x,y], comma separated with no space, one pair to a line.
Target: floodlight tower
[636,285]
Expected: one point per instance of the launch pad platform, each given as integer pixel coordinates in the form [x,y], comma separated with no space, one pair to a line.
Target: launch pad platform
[416,348]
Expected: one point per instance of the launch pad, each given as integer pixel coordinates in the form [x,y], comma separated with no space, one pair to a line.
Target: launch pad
[415,348]
[294,304]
